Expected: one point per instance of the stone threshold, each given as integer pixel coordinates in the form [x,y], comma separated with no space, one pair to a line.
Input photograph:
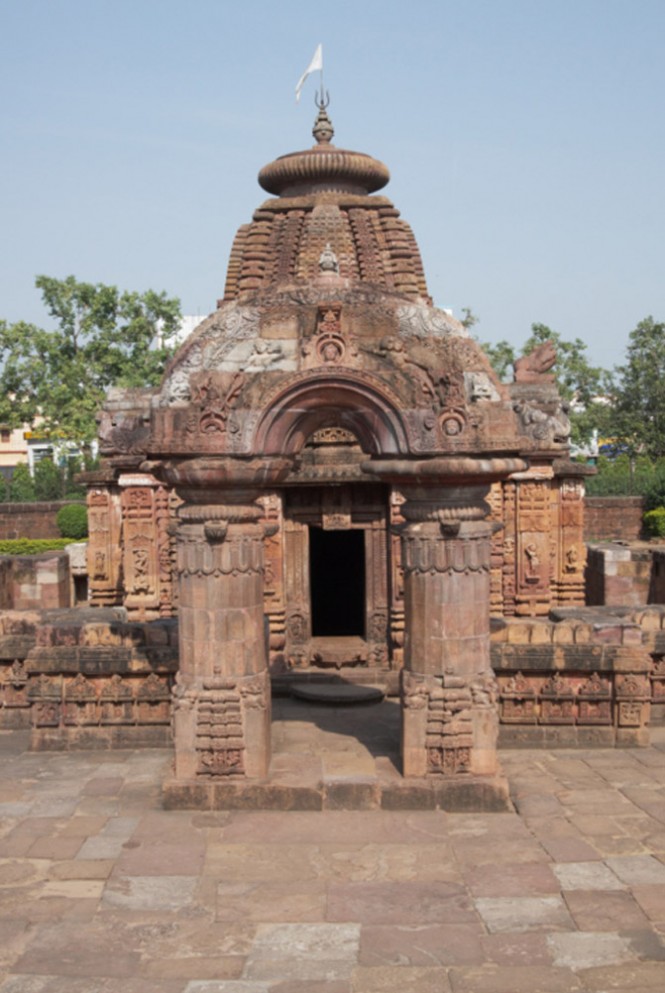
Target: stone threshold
[461,793]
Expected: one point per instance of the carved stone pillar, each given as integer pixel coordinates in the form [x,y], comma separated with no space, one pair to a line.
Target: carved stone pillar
[222,696]
[449,716]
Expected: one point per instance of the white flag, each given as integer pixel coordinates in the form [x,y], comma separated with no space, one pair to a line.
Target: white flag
[316,63]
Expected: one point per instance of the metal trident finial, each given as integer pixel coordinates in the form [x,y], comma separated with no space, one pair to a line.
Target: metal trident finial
[322,101]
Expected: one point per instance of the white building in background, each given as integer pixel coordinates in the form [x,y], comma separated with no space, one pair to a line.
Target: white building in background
[13,449]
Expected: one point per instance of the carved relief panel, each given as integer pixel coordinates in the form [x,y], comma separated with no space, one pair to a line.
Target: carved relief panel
[534,566]
[571,547]
[273,590]
[297,592]
[104,550]
[396,578]
[141,564]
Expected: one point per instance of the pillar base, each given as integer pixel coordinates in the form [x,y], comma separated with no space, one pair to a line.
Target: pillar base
[222,728]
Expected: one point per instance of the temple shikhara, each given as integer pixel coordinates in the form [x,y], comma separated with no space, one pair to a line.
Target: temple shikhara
[332,482]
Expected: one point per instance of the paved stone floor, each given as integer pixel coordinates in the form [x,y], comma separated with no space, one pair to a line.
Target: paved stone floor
[102,891]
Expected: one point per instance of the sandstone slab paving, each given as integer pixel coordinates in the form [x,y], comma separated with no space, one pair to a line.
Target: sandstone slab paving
[104,891]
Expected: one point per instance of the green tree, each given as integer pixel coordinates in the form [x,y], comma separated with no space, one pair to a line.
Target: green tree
[469,319]
[501,355]
[22,487]
[640,392]
[102,337]
[49,480]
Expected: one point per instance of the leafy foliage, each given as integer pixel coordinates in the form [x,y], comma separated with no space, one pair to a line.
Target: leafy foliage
[654,522]
[468,318]
[32,546]
[501,356]
[628,476]
[103,337]
[640,395]
[72,521]
[49,480]
[22,487]
[4,489]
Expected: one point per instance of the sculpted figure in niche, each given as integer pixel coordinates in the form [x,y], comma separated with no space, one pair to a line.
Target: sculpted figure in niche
[328,263]
[265,353]
[541,426]
[572,559]
[532,560]
[141,568]
[100,565]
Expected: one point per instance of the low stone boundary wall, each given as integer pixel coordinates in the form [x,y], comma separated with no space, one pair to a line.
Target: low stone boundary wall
[618,575]
[584,677]
[31,520]
[87,678]
[621,575]
[34,582]
[613,518]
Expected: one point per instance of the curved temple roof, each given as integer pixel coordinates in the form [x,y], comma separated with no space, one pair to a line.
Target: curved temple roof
[324,203]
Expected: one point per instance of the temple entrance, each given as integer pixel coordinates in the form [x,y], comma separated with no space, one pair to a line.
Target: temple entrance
[337,582]
[336,563]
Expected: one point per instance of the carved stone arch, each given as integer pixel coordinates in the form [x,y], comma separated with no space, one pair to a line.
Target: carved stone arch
[302,407]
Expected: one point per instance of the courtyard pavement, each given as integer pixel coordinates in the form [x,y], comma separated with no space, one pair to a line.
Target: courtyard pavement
[103,891]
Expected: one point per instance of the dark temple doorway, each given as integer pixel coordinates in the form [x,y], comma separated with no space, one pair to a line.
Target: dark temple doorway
[337,582]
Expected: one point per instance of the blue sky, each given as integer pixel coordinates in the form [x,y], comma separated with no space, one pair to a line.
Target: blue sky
[525,141]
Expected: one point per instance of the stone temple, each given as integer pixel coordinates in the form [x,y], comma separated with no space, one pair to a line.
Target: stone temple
[332,483]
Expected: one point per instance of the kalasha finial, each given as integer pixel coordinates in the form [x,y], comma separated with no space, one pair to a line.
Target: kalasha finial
[323,130]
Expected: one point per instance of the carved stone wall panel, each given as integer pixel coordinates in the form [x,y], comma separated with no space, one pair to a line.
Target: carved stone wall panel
[297,593]
[509,534]
[594,701]
[166,506]
[557,701]
[396,578]
[376,592]
[534,551]
[273,587]
[495,501]
[568,581]
[105,580]
[141,566]
[80,704]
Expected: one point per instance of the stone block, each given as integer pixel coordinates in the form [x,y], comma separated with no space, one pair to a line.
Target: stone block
[408,796]
[264,796]
[459,794]
[563,634]
[519,633]
[184,795]
[345,794]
